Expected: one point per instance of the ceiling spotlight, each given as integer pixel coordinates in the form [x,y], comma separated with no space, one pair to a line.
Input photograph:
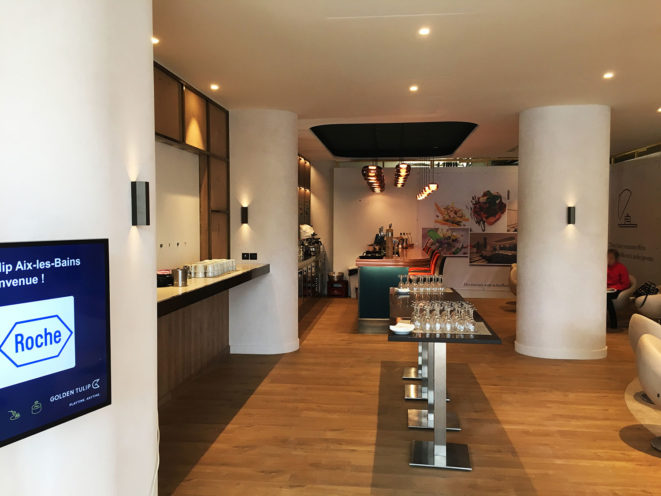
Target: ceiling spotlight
[424,31]
[214,86]
[154,40]
[413,88]
[609,75]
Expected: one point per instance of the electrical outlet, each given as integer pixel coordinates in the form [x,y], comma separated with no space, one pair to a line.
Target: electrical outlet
[253,256]
[245,256]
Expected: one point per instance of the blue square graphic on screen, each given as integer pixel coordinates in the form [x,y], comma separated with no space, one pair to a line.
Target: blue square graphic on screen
[54,334]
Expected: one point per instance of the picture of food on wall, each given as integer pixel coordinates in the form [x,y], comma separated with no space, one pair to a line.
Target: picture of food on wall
[492,248]
[450,241]
[487,209]
[450,216]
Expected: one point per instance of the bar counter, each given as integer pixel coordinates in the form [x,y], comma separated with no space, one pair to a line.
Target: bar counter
[173,298]
[413,257]
[193,325]
[375,278]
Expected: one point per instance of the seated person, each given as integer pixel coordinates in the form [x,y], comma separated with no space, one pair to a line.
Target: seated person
[618,280]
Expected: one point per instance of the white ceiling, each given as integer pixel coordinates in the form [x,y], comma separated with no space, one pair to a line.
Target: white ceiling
[334,61]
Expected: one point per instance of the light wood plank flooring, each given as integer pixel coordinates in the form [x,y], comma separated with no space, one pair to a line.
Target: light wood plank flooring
[330,419]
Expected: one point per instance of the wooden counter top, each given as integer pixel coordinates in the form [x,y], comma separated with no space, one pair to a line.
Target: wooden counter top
[173,298]
[413,257]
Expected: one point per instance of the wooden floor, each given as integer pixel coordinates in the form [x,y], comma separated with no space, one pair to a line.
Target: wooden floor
[330,419]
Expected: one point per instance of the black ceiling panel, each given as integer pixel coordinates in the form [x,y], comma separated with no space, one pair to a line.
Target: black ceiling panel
[394,140]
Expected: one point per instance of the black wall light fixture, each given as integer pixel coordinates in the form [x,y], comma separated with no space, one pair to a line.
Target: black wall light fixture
[244,215]
[140,203]
[571,215]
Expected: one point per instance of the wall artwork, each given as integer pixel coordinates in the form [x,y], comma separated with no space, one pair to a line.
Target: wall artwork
[492,248]
[487,208]
[451,241]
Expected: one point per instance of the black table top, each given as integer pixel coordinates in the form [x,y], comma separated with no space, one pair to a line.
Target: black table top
[401,307]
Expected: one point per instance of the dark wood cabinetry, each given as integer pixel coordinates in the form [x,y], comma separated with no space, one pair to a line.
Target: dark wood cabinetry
[186,118]
[304,169]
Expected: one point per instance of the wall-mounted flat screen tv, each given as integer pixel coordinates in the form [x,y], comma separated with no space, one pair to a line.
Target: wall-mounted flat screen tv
[54,334]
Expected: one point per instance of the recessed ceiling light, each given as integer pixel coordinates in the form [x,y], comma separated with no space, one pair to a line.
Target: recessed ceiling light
[609,75]
[413,88]
[154,40]
[424,31]
[214,86]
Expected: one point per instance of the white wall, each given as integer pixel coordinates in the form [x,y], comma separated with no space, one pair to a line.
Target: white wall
[177,192]
[358,213]
[637,237]
[321,207]
[77,125]
[264,177]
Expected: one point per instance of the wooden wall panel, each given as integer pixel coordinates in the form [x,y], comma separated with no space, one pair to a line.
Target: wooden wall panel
[218,185]
[218,234]
[195,118]
[167,105]
[204,207]
[218,123]
[190,339]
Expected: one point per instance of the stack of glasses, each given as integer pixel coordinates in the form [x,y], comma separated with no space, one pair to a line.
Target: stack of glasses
[421,284]
[444,317]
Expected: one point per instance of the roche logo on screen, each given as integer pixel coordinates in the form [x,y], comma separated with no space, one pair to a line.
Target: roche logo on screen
[36,339]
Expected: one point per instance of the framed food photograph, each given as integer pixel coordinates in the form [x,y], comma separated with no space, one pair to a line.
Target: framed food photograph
[487,209]
[450,241]
[492,248]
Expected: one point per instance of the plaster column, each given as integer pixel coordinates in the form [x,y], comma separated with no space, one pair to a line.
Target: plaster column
[561,296]
[264,177]
[76,126]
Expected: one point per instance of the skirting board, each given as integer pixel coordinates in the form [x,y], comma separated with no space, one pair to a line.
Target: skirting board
[560,353]
[261,349]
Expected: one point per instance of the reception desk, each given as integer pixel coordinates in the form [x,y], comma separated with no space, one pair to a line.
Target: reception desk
[193,325]
[375,278]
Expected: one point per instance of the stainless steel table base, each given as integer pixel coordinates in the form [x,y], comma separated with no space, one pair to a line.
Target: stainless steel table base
[456,456]
[421,419]
[412,374]
[417,392]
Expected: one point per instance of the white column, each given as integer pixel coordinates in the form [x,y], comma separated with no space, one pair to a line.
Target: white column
[561,296]
[264,177]
[76,126]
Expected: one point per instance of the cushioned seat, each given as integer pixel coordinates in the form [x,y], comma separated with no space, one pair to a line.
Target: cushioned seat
[639,325]
[648,362]
[513,278]
[623,299]
[650,307]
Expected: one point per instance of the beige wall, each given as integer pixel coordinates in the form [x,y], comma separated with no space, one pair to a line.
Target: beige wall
[177,207]
[321,205]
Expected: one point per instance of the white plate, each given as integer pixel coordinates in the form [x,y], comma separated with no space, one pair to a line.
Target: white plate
[611,290]
[402,290]
[402,328]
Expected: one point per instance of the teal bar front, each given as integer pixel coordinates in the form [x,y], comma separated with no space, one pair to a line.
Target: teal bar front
[373,297]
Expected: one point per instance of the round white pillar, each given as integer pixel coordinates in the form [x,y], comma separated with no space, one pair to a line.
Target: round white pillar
[264,177]
[561,295]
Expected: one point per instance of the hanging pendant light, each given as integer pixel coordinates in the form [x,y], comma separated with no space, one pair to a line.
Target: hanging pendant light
[373,175]
[402,172]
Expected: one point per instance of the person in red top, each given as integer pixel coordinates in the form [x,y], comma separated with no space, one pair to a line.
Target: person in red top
[618,280]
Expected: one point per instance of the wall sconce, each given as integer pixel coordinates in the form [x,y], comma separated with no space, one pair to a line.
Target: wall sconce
[139,203]
[571,215]
[244,215]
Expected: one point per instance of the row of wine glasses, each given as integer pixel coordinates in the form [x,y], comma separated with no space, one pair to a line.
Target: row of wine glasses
[421,284]
[447,317]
